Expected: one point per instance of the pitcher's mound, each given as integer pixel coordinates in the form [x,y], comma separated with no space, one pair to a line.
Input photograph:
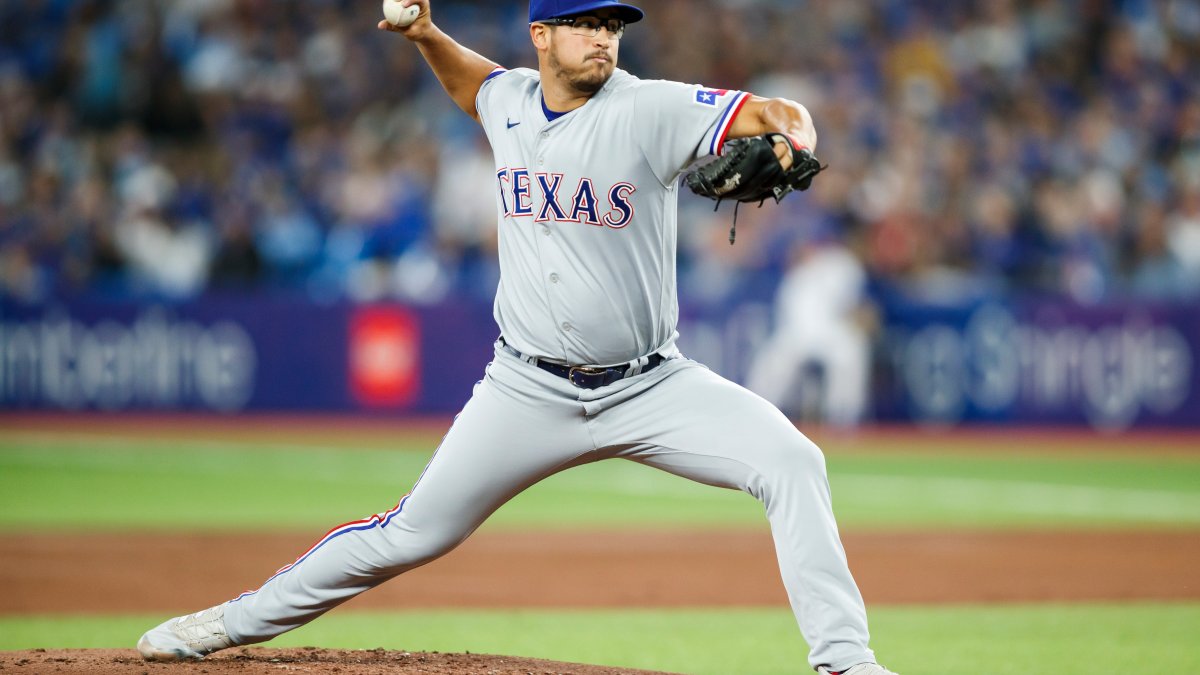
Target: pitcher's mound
[256,660]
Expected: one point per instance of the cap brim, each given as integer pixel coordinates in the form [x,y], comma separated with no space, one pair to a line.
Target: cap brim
[627,13]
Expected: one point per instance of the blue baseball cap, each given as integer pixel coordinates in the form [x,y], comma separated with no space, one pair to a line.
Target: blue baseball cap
[540,10]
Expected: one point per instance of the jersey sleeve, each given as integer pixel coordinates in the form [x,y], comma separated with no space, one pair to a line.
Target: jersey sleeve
[680,123]
[484,95]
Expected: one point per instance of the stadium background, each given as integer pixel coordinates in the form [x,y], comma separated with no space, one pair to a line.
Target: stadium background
[221,220]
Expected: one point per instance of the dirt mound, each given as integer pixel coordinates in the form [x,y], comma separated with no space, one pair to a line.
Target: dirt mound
[256,660]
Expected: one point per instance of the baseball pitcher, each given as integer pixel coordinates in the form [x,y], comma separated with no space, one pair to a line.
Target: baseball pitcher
[588,161]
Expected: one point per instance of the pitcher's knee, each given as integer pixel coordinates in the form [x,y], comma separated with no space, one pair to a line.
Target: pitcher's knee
[795,457]
[408,549]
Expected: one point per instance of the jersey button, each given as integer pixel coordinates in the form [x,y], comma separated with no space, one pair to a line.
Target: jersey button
[545,134]
[553,278]
[566,327]
[541,161]
[546,231]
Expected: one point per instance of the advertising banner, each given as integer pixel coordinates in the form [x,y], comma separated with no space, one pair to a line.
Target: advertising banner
[1111,366]
[1028,361]
[230,355]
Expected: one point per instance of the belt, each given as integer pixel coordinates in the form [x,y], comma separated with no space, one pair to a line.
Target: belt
[590,377]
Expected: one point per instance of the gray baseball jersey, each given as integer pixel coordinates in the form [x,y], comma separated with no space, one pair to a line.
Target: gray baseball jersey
[587,253]
[597,184]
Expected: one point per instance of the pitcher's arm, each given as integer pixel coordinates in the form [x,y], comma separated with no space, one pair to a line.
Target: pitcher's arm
[764,115]
[460,70]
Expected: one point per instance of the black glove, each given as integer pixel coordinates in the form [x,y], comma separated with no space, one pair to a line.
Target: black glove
[749,171]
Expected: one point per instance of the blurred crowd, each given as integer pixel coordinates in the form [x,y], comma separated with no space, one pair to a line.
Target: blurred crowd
[156,148]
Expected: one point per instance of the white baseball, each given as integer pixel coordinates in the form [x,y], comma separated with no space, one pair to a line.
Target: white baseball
[399,15]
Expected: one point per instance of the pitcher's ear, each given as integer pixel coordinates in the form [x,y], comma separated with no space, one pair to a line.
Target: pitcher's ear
[539,33]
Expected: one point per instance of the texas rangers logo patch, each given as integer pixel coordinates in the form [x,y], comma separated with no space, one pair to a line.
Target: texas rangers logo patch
[709,97]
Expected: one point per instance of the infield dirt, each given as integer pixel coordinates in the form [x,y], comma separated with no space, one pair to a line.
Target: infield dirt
[172,574]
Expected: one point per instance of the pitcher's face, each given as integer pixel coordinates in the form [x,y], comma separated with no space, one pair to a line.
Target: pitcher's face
[584,55]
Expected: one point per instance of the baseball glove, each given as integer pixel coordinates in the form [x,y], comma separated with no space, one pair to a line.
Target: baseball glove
[749,171]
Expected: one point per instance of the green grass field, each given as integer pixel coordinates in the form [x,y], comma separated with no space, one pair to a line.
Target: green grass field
[73,480]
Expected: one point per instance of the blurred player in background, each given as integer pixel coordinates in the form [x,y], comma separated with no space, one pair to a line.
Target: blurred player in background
[817,361]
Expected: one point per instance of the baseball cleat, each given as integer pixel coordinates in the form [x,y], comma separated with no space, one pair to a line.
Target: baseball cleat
[188,637]
[860,669]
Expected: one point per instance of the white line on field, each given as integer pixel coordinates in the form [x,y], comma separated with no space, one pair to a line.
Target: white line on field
[1027,496]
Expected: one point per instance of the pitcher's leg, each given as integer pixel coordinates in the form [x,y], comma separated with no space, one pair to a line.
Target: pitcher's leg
[697,425]
[497,446]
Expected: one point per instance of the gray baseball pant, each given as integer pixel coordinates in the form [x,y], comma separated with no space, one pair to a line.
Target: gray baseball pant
[523,424]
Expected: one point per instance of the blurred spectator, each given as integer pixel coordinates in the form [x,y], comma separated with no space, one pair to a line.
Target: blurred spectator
[166,256]
[1183,235]
[237,264]
[1158,272]
[464,214]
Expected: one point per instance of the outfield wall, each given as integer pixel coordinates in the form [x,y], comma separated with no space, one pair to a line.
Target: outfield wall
[1042,362]
[1038,362]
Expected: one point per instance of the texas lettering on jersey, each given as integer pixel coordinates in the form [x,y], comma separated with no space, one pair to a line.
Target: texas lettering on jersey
[544,197]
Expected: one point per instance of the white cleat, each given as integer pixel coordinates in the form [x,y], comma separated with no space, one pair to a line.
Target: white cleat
[860,669]
[188,637]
